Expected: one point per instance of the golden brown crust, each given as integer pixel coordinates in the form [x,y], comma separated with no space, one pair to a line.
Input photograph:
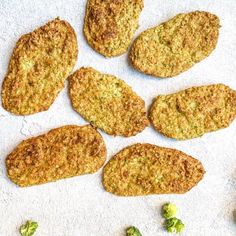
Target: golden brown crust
[40,63]
[109,25]
[176,45]
[195,111]
[107,102]
[61,153]
[143,169]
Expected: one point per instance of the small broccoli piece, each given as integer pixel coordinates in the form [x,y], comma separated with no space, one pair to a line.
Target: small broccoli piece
[29,228]
[169,210]
[174,225]
[133,231]
[179,226]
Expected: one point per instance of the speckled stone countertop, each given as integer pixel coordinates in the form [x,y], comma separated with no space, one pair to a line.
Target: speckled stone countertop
[79,206]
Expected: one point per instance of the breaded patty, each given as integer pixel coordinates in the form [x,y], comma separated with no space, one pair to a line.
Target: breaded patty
[107,102]
[143,169]
[38,68]
[109,25]
[195,111]
[62,153]
[176,45]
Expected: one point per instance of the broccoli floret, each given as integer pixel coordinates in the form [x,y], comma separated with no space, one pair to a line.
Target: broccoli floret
[133,231]
[29,228]
[169,210]
[179,226]
[174,225]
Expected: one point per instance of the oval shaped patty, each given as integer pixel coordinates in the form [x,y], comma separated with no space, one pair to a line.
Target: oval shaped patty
[39,66]
[176,45]
[107,102]
[193,112]
[143,169]
[110,25]
[62,153]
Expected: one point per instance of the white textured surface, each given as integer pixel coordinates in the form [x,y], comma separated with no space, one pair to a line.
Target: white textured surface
[79,206]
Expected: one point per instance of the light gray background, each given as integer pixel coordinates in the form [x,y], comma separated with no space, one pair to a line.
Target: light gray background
[79,206]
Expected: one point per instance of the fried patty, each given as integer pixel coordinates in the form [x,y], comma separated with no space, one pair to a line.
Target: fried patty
[62,153]
[107,102]
[40,63]
[176,45]
[143,169]
[109,25]
[195,111]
